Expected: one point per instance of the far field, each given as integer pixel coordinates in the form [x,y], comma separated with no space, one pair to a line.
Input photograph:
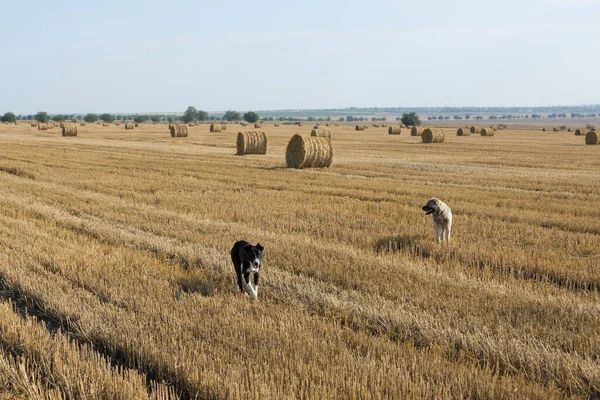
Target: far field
[116,281]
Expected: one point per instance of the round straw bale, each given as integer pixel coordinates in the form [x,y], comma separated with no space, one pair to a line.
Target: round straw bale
[384,125]
[243,123]
[105,124]
[215,127]
[376,126]
[463,132]
[555,129]
[82,124]
[309,152]
[326,124]
[432,135]
[136,124]
[117,124]
[276,125]
[336,124]
[34,124]
[543,129]
[487,132]
[179,130]
[69,130]
[360,127]
[299,123]
[394,130]
[591,137]
[252,142]
[129,125]
[416,131]
[475,129]
[321,132]
[257,126]
[579,132]
[223,127]
[42,127]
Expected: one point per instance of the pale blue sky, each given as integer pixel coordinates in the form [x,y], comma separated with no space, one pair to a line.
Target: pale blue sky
[153,56]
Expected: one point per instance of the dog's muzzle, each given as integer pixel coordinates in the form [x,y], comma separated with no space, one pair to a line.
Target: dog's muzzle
[427,210]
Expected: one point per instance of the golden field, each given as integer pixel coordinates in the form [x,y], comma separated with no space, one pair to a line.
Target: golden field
[116,279]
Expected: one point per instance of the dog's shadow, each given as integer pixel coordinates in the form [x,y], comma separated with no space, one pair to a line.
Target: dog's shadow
[192,285]
[411,244]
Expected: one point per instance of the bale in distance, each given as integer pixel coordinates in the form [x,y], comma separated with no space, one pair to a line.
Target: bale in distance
[321,132]
[257,126]
[42,127]
[579,132]
[360,127]
[432,135]
[543,129]
[487,132]
[129,126]
[555,129]
[179,130]
[118,124]
[214,128]
[592,137]
[309,152]
[463,132]
[136,125]
[105,125]
[384,125]
[223,127]
[251,142]
[34,124]
[299,123]
[243,123]
[376,126]
[475,129]
[416,131]
[394,130]
[82,124]
[69,130]
[276,125]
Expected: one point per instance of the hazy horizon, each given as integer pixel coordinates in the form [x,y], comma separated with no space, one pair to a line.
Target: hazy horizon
[143,57]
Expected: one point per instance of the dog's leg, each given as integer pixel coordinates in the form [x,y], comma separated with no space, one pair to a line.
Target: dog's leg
[249,288]
[256,277]
[438,233]
[448,231]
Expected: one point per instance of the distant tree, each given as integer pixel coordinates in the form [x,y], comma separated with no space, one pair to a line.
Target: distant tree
[349,118]
[410,119]
[441,117]
[467,116]
[155,118]
[341,119]
[457,117]
[232,115]
[58,118]
[191,114]
[30,117]
[310,118]
[107,118]
[170,120]
[251,117]
[8,117]
[42,116]
[398,119]
[138,119]
[89,118]
[479,117]
[590,127]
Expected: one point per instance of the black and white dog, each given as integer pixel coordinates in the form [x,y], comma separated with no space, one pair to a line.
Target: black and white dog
[247,259]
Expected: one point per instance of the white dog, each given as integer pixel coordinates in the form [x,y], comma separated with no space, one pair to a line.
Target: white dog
[442,219]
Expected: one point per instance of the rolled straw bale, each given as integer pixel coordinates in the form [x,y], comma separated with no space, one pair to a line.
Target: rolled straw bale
[416,131]
[299,123]
[34,124]
[257,126]
[243,123]
[463,132]
[360,127]
[316,126]
[591,137]
[179,130]
[555,129]
[543,129]
[69,130]
[276,124]
[321,132]
[475,129]
[579,132]
[326,124]
[394,130]
[117,124]
[136,124]
[129,125]
[105,124]
[487,132]
[42,127]
[336,124]
[223,127]
[82,124]
[252,142]
[432,135]
[309,152]
[215,127]
[376,126]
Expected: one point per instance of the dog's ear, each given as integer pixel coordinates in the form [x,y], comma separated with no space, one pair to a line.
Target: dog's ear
[258,246]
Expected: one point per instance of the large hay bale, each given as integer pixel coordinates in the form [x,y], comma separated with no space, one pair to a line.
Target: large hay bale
[215,127]
[360,127]
[416,131]
[179,130]
[309,152]
[487,132]
[252,142]
[34,124]
[129,125]
[42,127]
[432,135]
[69,130]
[591,137]
[394,130]
[243,123]
[321,132]
[579,132]
[257,126]
[463,132]
[475,129]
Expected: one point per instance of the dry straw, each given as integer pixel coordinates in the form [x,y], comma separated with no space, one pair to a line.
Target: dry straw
[118,124]
[463,132]
[376,126]
[252,142]
[394,130]
[69,130]
[34,124]
[416,131]
[432,135]
[487,132]
[105,125]
[179,130]
[257,126]
[42,127]
[360,127]
[129,126]
[61,125]
[243,123]
[309,152]
[591,137]
[214,128]
[475,129]
[82,124]
[321,132]
[579,132]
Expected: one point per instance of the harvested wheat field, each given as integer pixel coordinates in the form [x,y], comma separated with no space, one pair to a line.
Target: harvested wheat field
[117,280]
